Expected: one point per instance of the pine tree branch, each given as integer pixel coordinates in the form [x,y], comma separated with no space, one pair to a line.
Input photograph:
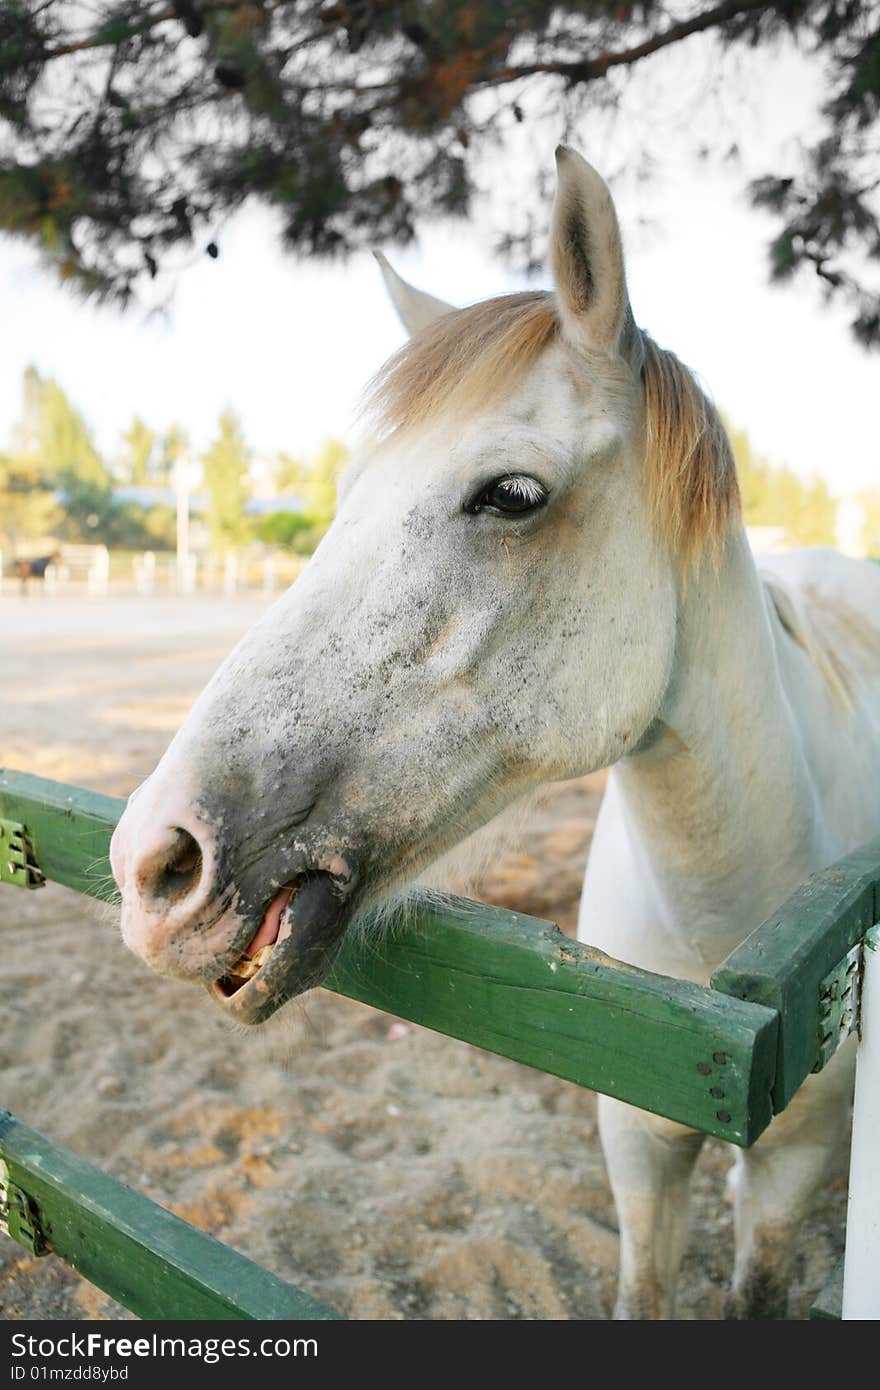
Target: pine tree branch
[587,69]
[111,34]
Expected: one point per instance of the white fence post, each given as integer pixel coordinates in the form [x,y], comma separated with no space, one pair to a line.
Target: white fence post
[98,580]
[861,1271]
[270,573]
[145,572]
[187,573]
[230,573]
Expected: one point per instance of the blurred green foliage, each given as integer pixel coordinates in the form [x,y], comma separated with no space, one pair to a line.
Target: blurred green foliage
[870,502]
[315,483]
[138,449]
[54,483]
[777,496]
[27,501]
[296,531]
[227,485]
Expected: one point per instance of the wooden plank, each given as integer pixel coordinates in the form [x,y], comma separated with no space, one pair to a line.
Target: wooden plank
[828,1303]
[147,1259]
[783,962]
[517,986]
[69,827]
[511,984]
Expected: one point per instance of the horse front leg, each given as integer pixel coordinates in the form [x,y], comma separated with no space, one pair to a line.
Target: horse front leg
[775,1182]
[650,1161]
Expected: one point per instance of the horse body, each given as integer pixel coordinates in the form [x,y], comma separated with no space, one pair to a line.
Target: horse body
[537,570]
[34,568]
[761,767]
[764,766]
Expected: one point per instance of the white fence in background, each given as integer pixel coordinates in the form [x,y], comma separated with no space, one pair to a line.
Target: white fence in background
[144,572]
[96,571]
[186,574]
[82,564]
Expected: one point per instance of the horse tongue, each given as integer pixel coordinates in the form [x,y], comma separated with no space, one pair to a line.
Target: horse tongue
[271,923]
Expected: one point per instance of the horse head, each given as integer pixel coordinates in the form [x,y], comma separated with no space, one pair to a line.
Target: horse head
[493,607]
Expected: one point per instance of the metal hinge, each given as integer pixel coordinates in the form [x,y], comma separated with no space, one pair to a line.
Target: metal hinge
[18,863]
[20,1216]
[839,1005]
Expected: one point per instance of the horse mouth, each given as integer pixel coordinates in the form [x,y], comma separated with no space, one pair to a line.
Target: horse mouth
[291,951]
[274,927]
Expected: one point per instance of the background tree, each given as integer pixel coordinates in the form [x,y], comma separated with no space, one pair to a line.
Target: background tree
[28,506]
[777,496]
[136,460]
[870,502]
[56,445]
[53,480]
[174,447]
[288,475]
[133,127]
[314,483]
[54,432]
[323,480]
[296,531]
[227,484]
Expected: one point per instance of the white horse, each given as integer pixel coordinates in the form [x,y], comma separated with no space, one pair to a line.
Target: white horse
[538,568]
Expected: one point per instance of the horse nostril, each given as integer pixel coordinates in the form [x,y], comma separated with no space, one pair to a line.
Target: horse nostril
[182,868]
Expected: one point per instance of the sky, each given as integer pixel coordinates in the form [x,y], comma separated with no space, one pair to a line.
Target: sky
[289,343]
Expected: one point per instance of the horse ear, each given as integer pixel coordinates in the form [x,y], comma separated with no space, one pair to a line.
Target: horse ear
[587,256]
[415,309]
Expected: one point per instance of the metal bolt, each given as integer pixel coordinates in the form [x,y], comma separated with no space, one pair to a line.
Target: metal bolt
[720,1058]
[703,1068]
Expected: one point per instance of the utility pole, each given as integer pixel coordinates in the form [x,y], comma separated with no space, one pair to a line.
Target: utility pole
[183,478]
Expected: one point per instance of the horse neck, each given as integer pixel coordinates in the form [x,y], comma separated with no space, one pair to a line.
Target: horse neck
[718,802]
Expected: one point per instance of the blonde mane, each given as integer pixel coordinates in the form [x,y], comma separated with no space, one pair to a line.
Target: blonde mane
[690,468]
[815,637]
[470,359]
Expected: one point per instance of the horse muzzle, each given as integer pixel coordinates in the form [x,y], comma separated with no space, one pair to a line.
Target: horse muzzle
[191,912]
[292,951]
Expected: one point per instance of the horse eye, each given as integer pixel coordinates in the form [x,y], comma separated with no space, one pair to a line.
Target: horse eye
[512,495]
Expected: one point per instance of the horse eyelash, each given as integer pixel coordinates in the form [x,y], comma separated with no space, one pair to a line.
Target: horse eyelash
[526,489]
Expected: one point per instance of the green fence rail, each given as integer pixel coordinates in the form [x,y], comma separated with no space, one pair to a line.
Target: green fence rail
[147,1259]
[722,1059]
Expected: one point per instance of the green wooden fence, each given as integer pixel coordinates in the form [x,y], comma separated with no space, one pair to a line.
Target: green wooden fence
[722,1059]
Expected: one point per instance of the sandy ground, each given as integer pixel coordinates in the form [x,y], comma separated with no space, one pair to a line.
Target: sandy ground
[390,1171]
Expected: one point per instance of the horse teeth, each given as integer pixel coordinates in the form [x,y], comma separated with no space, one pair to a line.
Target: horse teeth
[248,966]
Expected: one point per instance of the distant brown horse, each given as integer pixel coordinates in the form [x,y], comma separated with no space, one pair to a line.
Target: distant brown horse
[34,569]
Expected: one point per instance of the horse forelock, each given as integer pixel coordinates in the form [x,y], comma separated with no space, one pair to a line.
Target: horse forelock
[468,360]
[465,361]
